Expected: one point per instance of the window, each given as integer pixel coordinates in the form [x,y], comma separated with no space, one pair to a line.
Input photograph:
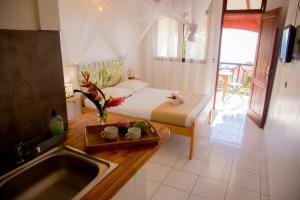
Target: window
[194,46]
[167,37]
[176,41]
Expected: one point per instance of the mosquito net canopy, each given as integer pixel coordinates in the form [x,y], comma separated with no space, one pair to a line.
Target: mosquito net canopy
[117,25]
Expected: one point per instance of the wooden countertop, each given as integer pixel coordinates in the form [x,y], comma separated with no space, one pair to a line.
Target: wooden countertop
[129,159]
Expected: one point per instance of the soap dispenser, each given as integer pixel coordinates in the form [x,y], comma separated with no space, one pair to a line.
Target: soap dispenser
[56,124]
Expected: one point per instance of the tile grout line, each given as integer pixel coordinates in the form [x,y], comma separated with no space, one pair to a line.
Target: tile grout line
[155,191]
[203,197]
[227,184]
[260,194]
[234,157]
[199,173]
[191,192]
[172,167]
[210,150]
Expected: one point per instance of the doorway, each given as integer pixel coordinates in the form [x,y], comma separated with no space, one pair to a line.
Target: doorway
[239,39]
[249,78]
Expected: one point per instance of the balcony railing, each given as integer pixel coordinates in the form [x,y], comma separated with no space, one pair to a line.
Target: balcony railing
[235,78]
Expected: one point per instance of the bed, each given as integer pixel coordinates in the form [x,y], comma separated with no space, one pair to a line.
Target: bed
[144,102]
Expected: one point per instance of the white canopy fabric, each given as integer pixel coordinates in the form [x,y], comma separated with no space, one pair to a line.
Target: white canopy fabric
[117,25]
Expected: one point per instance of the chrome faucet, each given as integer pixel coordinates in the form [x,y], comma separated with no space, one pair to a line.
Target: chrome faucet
[18,150]
[22,151]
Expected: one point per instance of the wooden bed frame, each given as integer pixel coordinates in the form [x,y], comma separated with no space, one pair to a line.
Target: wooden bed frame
[178,130]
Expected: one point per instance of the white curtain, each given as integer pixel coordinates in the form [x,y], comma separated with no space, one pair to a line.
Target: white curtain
[171,74]
[196,45]
[124,24]
[121,24]
[93,30]
[165,38]
[79,22]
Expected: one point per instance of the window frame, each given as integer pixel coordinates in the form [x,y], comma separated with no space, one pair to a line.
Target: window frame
[180,50]
[262,8]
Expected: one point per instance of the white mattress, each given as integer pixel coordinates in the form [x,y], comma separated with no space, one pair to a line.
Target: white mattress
[142,103]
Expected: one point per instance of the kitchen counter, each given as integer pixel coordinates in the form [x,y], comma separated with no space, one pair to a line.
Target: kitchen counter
[130,160]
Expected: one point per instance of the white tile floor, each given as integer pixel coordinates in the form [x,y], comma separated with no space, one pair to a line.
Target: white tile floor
[229,163]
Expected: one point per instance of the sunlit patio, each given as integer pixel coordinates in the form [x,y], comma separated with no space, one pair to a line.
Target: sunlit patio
[234,86]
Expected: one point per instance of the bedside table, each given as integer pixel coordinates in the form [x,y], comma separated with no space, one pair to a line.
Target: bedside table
[73,106]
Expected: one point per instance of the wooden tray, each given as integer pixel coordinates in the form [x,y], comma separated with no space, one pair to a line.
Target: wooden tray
[94,142]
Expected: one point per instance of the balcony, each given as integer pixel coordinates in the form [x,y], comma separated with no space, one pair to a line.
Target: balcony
[234,85]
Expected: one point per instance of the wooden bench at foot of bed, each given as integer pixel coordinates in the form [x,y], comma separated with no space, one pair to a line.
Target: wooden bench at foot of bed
[205,114]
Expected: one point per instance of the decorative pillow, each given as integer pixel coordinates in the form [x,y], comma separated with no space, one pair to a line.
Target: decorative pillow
[117,92]
[134,85]
[104,73]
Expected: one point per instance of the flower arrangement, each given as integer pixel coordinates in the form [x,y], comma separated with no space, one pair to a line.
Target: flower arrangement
[96,95]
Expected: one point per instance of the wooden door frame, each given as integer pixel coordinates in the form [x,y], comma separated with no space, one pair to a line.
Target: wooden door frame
[224,11]
[271,75]
[262,8]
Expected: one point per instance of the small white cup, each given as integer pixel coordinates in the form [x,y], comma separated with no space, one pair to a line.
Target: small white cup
[134,133]
[110,132]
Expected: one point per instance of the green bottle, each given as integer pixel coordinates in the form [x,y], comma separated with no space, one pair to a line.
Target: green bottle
[56,124]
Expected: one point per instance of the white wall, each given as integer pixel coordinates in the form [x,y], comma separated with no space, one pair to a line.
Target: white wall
[29,14]
[48,14]
[283,127]
[213,49]
[19,15]
[134,60]
[272,4]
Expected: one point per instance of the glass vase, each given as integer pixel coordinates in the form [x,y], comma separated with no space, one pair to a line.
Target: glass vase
[102,117]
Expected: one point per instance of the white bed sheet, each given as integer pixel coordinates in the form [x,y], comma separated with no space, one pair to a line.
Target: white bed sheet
[142,103]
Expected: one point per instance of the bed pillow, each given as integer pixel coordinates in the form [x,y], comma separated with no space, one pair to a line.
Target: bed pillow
[117,92]
[134,85]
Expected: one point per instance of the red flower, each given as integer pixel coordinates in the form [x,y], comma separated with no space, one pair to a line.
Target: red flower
[86,81]
[172,97]
[96,95]
[115,102]
[93,90]
[87,84]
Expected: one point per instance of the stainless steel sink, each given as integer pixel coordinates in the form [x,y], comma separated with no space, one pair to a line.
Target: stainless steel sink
[61,173]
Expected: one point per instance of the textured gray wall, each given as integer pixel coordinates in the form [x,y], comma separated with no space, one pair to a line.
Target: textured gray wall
[31,85]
